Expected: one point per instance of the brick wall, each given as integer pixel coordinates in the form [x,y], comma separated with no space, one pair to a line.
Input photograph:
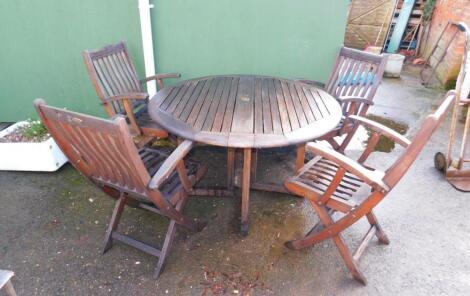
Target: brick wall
[448,10]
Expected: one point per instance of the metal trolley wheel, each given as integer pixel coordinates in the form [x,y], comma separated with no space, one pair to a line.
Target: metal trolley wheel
[440,162]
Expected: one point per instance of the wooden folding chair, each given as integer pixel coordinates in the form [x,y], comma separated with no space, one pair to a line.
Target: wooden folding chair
[121,92]
[103,151]
[333,183]
[354,81]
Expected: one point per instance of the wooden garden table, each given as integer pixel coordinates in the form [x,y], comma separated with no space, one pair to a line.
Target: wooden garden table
[246,112]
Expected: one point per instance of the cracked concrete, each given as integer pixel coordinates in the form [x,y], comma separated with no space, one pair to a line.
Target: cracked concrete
[52,226]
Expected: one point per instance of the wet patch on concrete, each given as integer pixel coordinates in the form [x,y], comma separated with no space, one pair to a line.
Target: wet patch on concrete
[385,144]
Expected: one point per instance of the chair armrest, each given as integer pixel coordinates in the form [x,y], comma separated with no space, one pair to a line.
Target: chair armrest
[381,129]
[373,178]
[129,96]
[465,101]
[352,99]
[170,164]
[161,76]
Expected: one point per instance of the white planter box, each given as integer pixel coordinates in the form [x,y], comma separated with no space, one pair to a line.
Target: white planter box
[40,157]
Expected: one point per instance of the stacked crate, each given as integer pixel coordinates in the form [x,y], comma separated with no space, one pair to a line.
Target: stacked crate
[414,30]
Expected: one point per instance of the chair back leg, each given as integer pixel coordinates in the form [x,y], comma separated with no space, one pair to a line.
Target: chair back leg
[383,239]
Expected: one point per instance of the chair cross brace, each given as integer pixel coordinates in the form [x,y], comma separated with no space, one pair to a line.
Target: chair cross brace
[112,233]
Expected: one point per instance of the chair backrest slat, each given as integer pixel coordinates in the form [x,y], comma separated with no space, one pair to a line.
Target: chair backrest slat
[351,84]
[100,149]
[128,67]
[125,79]
[356,73]
[112,73]
[403,163]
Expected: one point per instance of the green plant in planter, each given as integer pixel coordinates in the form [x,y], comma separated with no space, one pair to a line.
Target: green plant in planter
[34,130]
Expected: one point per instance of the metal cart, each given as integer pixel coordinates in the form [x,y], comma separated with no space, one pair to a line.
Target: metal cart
[454,169]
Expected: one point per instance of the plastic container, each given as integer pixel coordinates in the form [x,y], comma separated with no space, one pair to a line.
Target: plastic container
[394,65]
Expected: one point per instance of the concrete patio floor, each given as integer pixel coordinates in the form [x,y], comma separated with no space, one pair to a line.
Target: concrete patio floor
[52,226]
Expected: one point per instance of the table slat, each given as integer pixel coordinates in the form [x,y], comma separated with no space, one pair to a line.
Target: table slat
[294,121]
[312,103]
[258,107]
[200,100]
[169,98]
[177,99]
[228,116]
[219,115]
[305,105]
[192,101]
[285,122]
[214,106]
[275,117]
[201,117]
[244,105]
[320,104]
[298,107]
[267,119]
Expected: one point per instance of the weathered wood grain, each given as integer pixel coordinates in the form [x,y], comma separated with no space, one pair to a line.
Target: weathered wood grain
[244,111]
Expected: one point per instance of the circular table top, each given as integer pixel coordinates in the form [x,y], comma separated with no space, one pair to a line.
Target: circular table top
[245,111]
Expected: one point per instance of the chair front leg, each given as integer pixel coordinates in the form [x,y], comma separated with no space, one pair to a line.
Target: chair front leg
[113,224]
[343,249]
[169,238]
[349,260]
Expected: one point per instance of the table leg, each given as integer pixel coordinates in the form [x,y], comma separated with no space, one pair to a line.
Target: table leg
[220,191]
[230,168]
[300,160]
[254,164]
[245,190]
